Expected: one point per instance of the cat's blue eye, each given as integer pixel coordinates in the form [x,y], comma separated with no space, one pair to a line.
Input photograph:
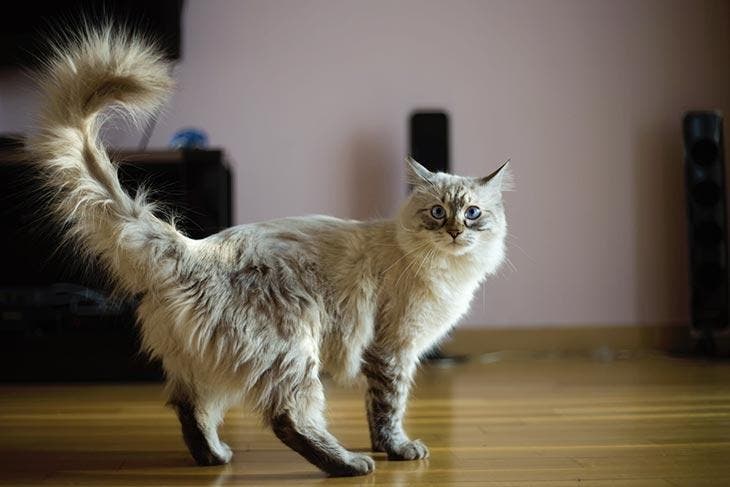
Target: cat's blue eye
[438,212]
[473,212]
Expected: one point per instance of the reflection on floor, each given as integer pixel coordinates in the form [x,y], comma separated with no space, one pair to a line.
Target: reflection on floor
[501,419]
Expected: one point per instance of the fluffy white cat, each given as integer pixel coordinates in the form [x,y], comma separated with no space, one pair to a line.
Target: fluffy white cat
[258,312]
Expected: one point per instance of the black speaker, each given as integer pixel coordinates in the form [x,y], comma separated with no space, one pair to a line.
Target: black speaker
[429,139]
[704,157]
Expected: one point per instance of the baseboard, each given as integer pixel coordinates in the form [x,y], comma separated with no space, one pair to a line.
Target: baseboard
[471,341]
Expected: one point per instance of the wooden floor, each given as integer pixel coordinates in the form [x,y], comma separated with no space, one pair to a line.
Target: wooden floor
[511,420]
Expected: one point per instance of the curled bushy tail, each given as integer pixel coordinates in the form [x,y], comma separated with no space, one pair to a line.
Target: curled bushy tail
[90,73]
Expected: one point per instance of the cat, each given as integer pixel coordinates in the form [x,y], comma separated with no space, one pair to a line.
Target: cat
[258,313]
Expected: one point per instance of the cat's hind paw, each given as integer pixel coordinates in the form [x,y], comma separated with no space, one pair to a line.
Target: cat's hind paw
[208,457]
[409,450]
[356,464]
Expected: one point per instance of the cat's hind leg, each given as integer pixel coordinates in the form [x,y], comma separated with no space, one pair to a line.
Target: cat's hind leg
[297,419]
[199,419]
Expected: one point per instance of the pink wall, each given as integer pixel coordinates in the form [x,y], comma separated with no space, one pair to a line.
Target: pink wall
[310,99]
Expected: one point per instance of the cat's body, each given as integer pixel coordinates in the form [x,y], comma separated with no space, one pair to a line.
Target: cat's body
[258,312]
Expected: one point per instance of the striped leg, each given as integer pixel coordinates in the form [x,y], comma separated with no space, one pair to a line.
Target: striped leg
[389,382]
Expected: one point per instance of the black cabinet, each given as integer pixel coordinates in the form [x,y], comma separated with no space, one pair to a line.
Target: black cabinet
[57,321]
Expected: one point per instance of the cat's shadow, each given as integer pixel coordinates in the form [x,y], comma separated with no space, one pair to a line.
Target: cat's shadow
[146,469]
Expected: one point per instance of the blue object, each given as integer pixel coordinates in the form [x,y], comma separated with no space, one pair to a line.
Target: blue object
[189,138]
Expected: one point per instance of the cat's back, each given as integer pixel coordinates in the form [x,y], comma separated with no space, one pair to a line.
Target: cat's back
[294,233]
[314,242]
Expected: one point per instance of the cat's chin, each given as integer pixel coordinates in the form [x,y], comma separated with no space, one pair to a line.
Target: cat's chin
[457,247]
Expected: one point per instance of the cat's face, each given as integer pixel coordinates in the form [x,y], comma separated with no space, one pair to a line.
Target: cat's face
[456,215]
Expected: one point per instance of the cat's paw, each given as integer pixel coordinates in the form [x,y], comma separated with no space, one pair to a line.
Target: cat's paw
[356,464]
[224,453]
[409,450]
[209,457]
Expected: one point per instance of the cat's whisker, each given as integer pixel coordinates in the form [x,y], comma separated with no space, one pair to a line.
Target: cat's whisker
[428,256]
[510,264]
[410,264]
[513,244]
[484,298]
[415,249]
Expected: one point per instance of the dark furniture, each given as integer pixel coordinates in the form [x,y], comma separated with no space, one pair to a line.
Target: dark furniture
[57,322]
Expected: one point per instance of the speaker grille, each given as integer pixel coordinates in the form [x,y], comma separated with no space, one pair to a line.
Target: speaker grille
[706,211]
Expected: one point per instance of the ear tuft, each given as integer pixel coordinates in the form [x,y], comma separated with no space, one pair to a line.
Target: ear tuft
[416,174]
[500,179]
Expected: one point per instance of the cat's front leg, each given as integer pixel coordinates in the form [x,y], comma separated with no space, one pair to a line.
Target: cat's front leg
[389,380]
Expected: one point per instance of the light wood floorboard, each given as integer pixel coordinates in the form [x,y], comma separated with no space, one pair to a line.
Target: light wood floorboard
[508,420]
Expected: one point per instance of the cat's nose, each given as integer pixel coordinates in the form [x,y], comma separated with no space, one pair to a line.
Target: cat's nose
[454,233]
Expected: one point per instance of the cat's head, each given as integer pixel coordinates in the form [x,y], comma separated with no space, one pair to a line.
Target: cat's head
[453,214]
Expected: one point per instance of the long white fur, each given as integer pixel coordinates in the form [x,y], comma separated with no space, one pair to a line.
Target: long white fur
[259,311]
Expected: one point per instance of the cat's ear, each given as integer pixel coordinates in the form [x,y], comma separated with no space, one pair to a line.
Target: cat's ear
[416,174]
[501,179]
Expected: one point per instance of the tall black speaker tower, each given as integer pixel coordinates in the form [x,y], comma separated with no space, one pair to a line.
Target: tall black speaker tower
[704,157]
[429,139]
